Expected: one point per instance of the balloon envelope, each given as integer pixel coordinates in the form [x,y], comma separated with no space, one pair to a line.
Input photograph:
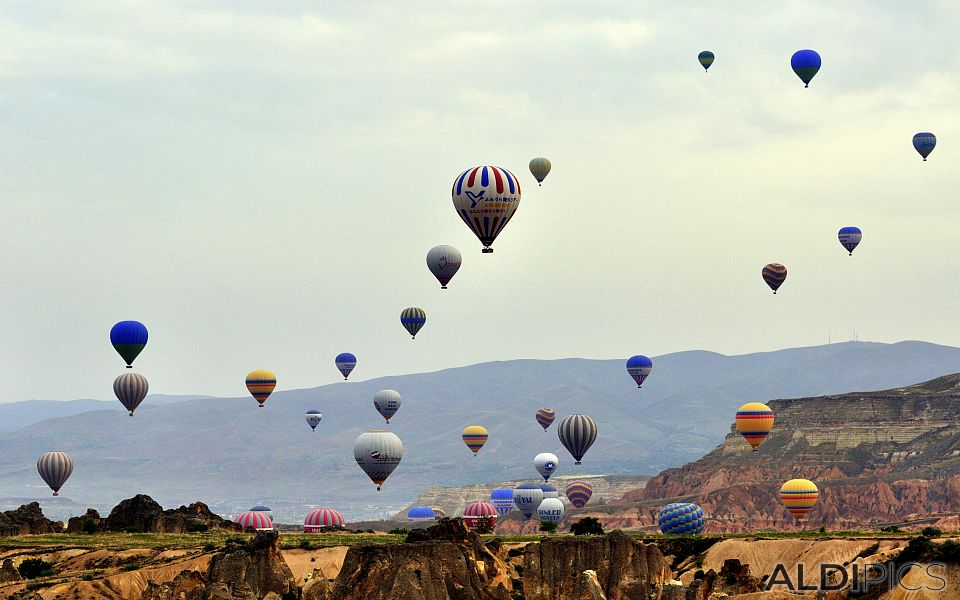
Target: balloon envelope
[577,433]
[475,437]
[579,492]
[681,517]
[258,520]
[551,509]
[546,463]
[378,453]
[413,319]
[850,238]
[639,367]
[924,143]
[502,500]
[805,64]
[799,496]
[387,403]
[540,168]
[55,468]
[774,274]
[527,498]
[130,389]
[322,517]
[444,262]
[706,59]
[421,513]
[545,417]
[477,510]
[260,384]
[128,339]
[345,363]
[313,418]
[486,198]
[754,422]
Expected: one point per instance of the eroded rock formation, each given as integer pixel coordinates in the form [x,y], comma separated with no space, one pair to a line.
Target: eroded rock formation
[143,514]
[28,519]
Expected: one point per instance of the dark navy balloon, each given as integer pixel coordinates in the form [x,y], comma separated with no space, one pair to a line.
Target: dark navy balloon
[681,517]
[639,368]
[706,59]
[849,238]
[128,339]
[924,143]
[345,363]
[805,64]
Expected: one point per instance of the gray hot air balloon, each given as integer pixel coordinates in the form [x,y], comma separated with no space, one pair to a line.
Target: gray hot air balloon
[528,497]
[444,262]
[546,463]
[577,433]
[378,453]
[55,468]
[313,418]
[131,389]
[387,403]
[551,509]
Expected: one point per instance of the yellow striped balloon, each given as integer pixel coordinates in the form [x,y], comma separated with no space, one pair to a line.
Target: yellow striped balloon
[754,422]
[540,168]
[799,496]
[260,384]
[475,437]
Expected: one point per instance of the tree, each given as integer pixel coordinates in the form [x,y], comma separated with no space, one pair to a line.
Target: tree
[587,526]
[548,526]
[35,567]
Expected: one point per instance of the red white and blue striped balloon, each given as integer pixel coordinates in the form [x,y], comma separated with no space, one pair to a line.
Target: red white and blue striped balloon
[55,468]
[130,389]
[345,363]
[257,520]
[486,198]
[850,238]
[502,500]
[322,517]
[639,368]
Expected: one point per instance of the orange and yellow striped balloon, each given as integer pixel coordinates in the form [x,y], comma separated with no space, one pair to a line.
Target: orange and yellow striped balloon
[475,437]
[799,496]
[260,384]
[754,422]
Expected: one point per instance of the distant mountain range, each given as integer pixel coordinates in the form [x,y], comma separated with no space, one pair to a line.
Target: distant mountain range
[232,454]
[16,415]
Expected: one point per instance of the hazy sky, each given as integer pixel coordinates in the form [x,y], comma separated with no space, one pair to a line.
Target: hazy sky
[259,183]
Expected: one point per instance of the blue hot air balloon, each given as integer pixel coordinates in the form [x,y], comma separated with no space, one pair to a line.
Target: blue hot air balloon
[421,513]
[681,517]
[805,64]
[128,339]
[639,368]
[502,500]
[346,362]
[924,143]
[849,238]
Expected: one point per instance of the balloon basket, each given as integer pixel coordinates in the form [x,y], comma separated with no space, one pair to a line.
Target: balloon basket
[577,463]
[487,251]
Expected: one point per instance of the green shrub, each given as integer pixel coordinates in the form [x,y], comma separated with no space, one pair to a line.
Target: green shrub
[130,567]
[131,530]
[891,529]
[930,532]
[209,547]
[197,527]
[948,552]
[548,526]
[304,544]
[35,567]
[89,526]
[919,549]
[398,531]
[587,526]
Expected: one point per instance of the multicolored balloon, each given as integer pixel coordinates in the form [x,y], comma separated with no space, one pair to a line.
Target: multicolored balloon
[345,363]
[799,496]
[754,422]
[320,518]
[805,64]
[578,492]
[413,319]
[438,512]
[924,143]
[130,389]
[55,468]
[260,384]
[486,198]
[502,500]
[387,403]
[444,262]
[546,463]
[129,339]
[421,513]
[706,59]
[313,418]
[527,498]
[681,517]
[850,238]
[255,519]
[577,433]
[378,453]
[551,509]
[475,511]
[774,274]
[545,417]
[639,368]
[540,168]
[475,437]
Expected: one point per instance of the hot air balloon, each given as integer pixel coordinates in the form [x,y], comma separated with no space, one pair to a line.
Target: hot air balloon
[378,453]
[421,513]
[502,500]
[130,389]
[805,64]
[540,168]
[549,491]
[263,509]
[475,437]
[850,237]
[924,143]
[527,498]
[345,363]
[439,512]
[387,403]
[545,417]
[579,492]
[444,262]
[799,496]
[475,511]
[577,433]
[320,518]
[313,418]
[486,198]
[546,463]
[260,384]
[551,509]
[413,319]
[257,520]
[639,368]
[754,422]
[55,468]
[681,517]
[128,339]
[774,274]
[706,59]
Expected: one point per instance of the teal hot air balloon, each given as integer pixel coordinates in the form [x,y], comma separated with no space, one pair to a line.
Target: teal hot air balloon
[706,59]
[540,168]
